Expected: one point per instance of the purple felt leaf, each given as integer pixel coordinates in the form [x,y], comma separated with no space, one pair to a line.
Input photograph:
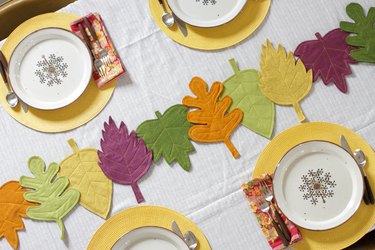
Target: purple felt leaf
[124,158]
[328,57]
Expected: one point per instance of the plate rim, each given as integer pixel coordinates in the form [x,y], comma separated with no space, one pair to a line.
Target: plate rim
[188,20]
[157,227]
[27,36]
[356,207]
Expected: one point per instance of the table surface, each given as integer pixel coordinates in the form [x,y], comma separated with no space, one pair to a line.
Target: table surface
[159,71]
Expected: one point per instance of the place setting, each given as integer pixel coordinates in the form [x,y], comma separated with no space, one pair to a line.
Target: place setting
[321,186]
[149,227]
[54,80]
[208,24]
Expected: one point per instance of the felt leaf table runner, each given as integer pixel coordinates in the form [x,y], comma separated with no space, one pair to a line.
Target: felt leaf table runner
[258,110]
[212,121]
[363,30]
[124,158]
[328,57]
[168,136]
[56,200]
[12,208]
[283,80]
[86,176]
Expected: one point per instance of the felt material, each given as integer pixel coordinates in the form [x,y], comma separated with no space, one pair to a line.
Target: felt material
[86,176]
[168,136]
[86,107]
[258,110]
[12,208]
[238,29]
[212,122]
[253,194]
[363,219]
[124,158]
[283,80]
[328,57]
[143,216]
[56,200]
[363,29]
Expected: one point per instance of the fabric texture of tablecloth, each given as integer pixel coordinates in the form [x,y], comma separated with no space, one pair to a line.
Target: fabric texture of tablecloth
[158,73]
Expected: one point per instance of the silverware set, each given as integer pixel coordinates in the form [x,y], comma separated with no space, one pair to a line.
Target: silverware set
[189,237]
[11,98]
[266,205]
[102,60]
[360,158]
[169,19]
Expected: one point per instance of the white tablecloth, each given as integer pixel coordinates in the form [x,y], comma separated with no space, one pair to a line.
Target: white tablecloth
[159,71]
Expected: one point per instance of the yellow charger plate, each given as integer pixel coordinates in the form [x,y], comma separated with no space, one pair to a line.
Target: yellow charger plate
[361,222]
[115,227]
[85,108]
[242,26]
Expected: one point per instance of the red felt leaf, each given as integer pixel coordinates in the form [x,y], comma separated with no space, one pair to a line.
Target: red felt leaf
[124,158]
[328,57]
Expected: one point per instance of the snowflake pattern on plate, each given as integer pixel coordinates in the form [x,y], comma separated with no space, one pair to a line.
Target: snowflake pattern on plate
[205,2]
[317,184]
[51,71]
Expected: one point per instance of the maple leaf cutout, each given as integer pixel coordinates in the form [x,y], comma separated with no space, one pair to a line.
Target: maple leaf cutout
[328,57]
[13,206]
[212,121]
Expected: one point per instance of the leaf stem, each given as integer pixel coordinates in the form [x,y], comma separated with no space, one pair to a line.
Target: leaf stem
[232,149]
[297,108]
[62,228]
[158,115]
[137,192]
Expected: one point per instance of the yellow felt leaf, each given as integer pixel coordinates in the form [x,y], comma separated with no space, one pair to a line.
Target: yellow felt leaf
[283,80]
[85,175]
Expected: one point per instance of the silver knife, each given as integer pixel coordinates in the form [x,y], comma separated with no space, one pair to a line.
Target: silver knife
[344,144]
[176,229]
[24,106]
[181,25]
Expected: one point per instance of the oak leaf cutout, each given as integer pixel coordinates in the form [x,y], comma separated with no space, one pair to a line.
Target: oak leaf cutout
[212,121]
[283,80]
[328,57]
[56,200]
[258,110]
[167,136]
[12,208]
[86,176]
[363,30]
[124,158]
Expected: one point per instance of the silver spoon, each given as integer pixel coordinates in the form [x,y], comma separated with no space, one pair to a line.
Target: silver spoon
[190,240]
[361,160]
[11,97]
[167,17]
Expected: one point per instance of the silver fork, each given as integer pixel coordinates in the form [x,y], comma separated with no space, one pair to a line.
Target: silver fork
[268,196]
[98,64]
[262,203]
[103,54]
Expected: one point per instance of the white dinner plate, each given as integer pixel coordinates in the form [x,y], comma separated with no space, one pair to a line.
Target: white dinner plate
[206,13]
[318,185]
[50,68]
[150,238]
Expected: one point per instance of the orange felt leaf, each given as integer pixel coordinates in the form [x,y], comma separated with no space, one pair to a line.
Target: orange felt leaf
[212,122]
[12,207]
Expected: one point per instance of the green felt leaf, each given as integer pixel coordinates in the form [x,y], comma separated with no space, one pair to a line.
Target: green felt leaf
[243,88]
[364,28]
[55,199]
[168,136]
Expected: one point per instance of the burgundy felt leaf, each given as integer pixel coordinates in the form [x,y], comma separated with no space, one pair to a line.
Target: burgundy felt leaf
[124,158]
[328,57]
